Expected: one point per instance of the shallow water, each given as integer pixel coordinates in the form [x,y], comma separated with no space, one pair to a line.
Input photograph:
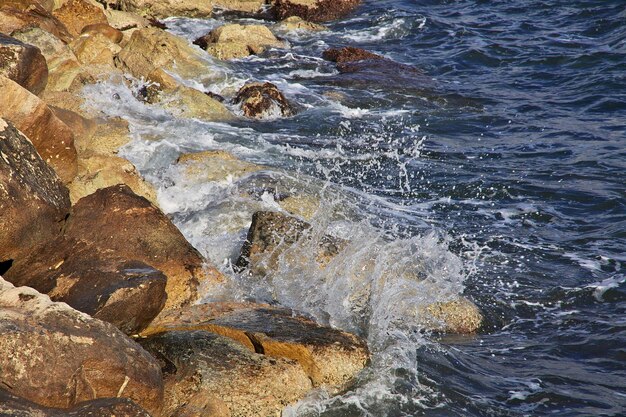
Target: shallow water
[499,174]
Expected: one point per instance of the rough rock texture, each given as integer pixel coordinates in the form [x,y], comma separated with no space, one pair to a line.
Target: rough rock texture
[314,10]
[247,6]
[52,138]
[14,406]
[125,293]
[114,35]
[207,374]
[18,14]
[456,316]
[23,64]
[329,357]
[295,23]
[167,8]
[91,359]
[76,14]
[152,48]
[348,54]
[263,100]
[117,219]
[95,49]
[215,166]
[237,41]
[33,201]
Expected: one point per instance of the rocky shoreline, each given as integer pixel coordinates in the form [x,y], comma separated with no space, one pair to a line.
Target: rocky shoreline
[100,292]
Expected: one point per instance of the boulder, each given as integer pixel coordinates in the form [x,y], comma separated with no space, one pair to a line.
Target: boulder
[18,14]
[245,6]
[455,316]
[331,358]
[348,54]
[214,166]
[125,293]
[76,14]
[23,64]
[313,10]
[152,48]
[108,136]
[52,48]
[168,8]
[208,374]
[52,138]
[58,357]
[117,219]
[95,49]
[114,35]
[296,23]
[125,21]
[237,41]
[11,405]
[263,101]
[33,201]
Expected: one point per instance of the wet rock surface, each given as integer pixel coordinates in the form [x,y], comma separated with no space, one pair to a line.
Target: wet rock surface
[33,201]
[233,41]
[208,374]
[314,10]
[92,359]
[348,54]
[23,64]
[214,166]
[263,100]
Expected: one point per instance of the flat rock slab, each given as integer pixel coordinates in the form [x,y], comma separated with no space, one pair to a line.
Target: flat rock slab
[58,357]
[330,357]
[208,374]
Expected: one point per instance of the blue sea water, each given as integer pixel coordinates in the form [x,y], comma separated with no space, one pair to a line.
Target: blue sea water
[503,164]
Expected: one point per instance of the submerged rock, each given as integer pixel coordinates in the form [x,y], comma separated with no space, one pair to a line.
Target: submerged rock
[125,293]
[330,358]
[314,10]
[76,14]
[214,166]
[238,41]
[33,201]
[117,219]
[53,140]
[23,64]
[348,54]
[263,100]
[208,374]
[58,357]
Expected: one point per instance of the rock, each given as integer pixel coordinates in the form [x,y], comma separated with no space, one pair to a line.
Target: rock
[168,8]
[18,14]
[57,357]
[301,205]
[52,138]
[331,358]
[117,219]
[101,171]
[125,20]
[295,23]
[457,316]
[152,48]
[82,127]
[23,64]
[114,35]
[123,292]
[246,6]
[262,101]
[76,14]
[214,166]
[33,201]
[52,48]
[314,10]
[348,54]
[95,49]
[11,405]
[207,374]
[63,74]
[237,41]
[109,135]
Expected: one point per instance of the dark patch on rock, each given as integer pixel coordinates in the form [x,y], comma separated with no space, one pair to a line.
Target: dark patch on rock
[258,99]
[214,96]
[23,63]
[348,54]
[314,10]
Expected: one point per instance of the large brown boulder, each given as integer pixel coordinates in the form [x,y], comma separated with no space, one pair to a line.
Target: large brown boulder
[52,138]
[14,406]
[168,8]
[125,293]
[207,374]
[23,64]
[117,219]
[237,41]
[76,14]
[57,357]
[314,10]
[263,101]
[20,14]
[330,357]
[33,201]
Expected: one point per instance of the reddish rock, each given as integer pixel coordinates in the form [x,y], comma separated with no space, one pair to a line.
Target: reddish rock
[314,10]
[19,14]
[348,54]
[125,293]
[76,14]
[23,64]
[33,201]
[117,219]
[263,100]
[58,357]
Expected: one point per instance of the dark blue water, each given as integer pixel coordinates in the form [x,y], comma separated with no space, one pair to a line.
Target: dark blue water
[511,142]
